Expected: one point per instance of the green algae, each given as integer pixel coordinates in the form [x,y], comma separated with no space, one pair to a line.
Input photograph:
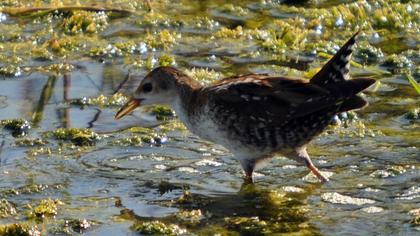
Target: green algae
[85,22]
[77,225]
[157,228]
[30,142]
[32,189]
[21,229]
[161,112]
[413,114]
[7,208]
[78,136]
[166,60]
[46,208]
[203,75]
[18,127]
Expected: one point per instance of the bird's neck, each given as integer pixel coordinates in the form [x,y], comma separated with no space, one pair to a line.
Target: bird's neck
[187,100]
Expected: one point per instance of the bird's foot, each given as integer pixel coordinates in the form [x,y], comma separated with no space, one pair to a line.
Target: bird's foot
[248,179]
[317,173]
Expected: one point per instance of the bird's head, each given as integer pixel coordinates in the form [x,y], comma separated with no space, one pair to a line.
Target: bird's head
[160,86]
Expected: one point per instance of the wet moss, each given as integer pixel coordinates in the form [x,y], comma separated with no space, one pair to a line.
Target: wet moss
[18,127]
[397,63]
[130,141]
[7,208]
[31,189]
[166,60]
[85,22]
[30,142]
[78,136]
[369,54]
[413,114]
[203,75]
[46,208]
[161,112]
[230,33]
[79,225]
[21,229]
[157,228]
[162,40]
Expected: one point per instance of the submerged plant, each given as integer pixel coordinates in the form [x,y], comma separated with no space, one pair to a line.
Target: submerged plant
[19,127]
[78,136]
[46,208]
[19,229]
[157,228]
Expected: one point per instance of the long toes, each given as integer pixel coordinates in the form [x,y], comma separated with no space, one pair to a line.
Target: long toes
[318,174]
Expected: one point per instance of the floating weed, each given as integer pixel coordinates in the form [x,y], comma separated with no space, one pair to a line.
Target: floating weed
[7,209]
[230,33]
[78,136]
[19,229]
[46,208]
[413,114]
[157,228]
[397,63]
[203,75]
[166,60]
[77,225]
[161,112]
[84,22]
[30,142]
[163,40]
[18,127]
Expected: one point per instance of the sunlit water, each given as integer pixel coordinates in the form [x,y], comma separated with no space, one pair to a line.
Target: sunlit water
[374,178]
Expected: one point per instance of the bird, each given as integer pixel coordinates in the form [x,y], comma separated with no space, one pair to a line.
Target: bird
[258,116]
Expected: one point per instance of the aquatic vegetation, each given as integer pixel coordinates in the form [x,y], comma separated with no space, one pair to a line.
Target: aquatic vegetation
[161,112]
[414,83]
[7,209]
[84,21]
[81,137]
[203,75]
[18,127]
[157,228]
[31,189]
[190,217]
[162,40]
[413,114]
[207,40]
[21,229]
[166,60]
[30,142]
[247,225]
[79,225]
[230,33]
[46,208]
[397,63]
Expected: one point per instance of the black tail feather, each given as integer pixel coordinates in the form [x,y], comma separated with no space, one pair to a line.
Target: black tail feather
[337,69]
[355,102]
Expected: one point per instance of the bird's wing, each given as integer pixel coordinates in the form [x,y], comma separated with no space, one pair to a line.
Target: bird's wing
[279,99]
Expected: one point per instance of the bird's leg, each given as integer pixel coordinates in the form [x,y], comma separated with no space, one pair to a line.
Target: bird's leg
[302,156]
[248,167]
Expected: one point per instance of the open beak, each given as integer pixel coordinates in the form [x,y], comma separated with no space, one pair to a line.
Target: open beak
[127,108]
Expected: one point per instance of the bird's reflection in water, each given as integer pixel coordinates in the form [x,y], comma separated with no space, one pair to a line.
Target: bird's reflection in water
[254,210]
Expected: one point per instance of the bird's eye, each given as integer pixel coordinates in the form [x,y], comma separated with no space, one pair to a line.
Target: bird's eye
[147,87]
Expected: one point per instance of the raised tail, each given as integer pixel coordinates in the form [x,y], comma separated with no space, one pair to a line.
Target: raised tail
[337,68]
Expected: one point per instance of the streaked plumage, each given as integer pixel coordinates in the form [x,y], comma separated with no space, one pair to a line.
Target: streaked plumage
[257,116]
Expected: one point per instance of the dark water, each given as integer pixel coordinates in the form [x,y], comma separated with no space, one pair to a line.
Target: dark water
[373,160]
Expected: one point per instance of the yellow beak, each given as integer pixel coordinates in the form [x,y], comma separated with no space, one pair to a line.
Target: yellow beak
[127,108]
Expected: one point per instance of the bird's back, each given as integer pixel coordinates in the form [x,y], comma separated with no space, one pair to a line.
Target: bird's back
[274,113]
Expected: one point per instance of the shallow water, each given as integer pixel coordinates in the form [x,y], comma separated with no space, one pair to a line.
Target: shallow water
[373,160]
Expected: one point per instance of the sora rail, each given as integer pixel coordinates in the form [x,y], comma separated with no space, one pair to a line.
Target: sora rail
[257,116]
